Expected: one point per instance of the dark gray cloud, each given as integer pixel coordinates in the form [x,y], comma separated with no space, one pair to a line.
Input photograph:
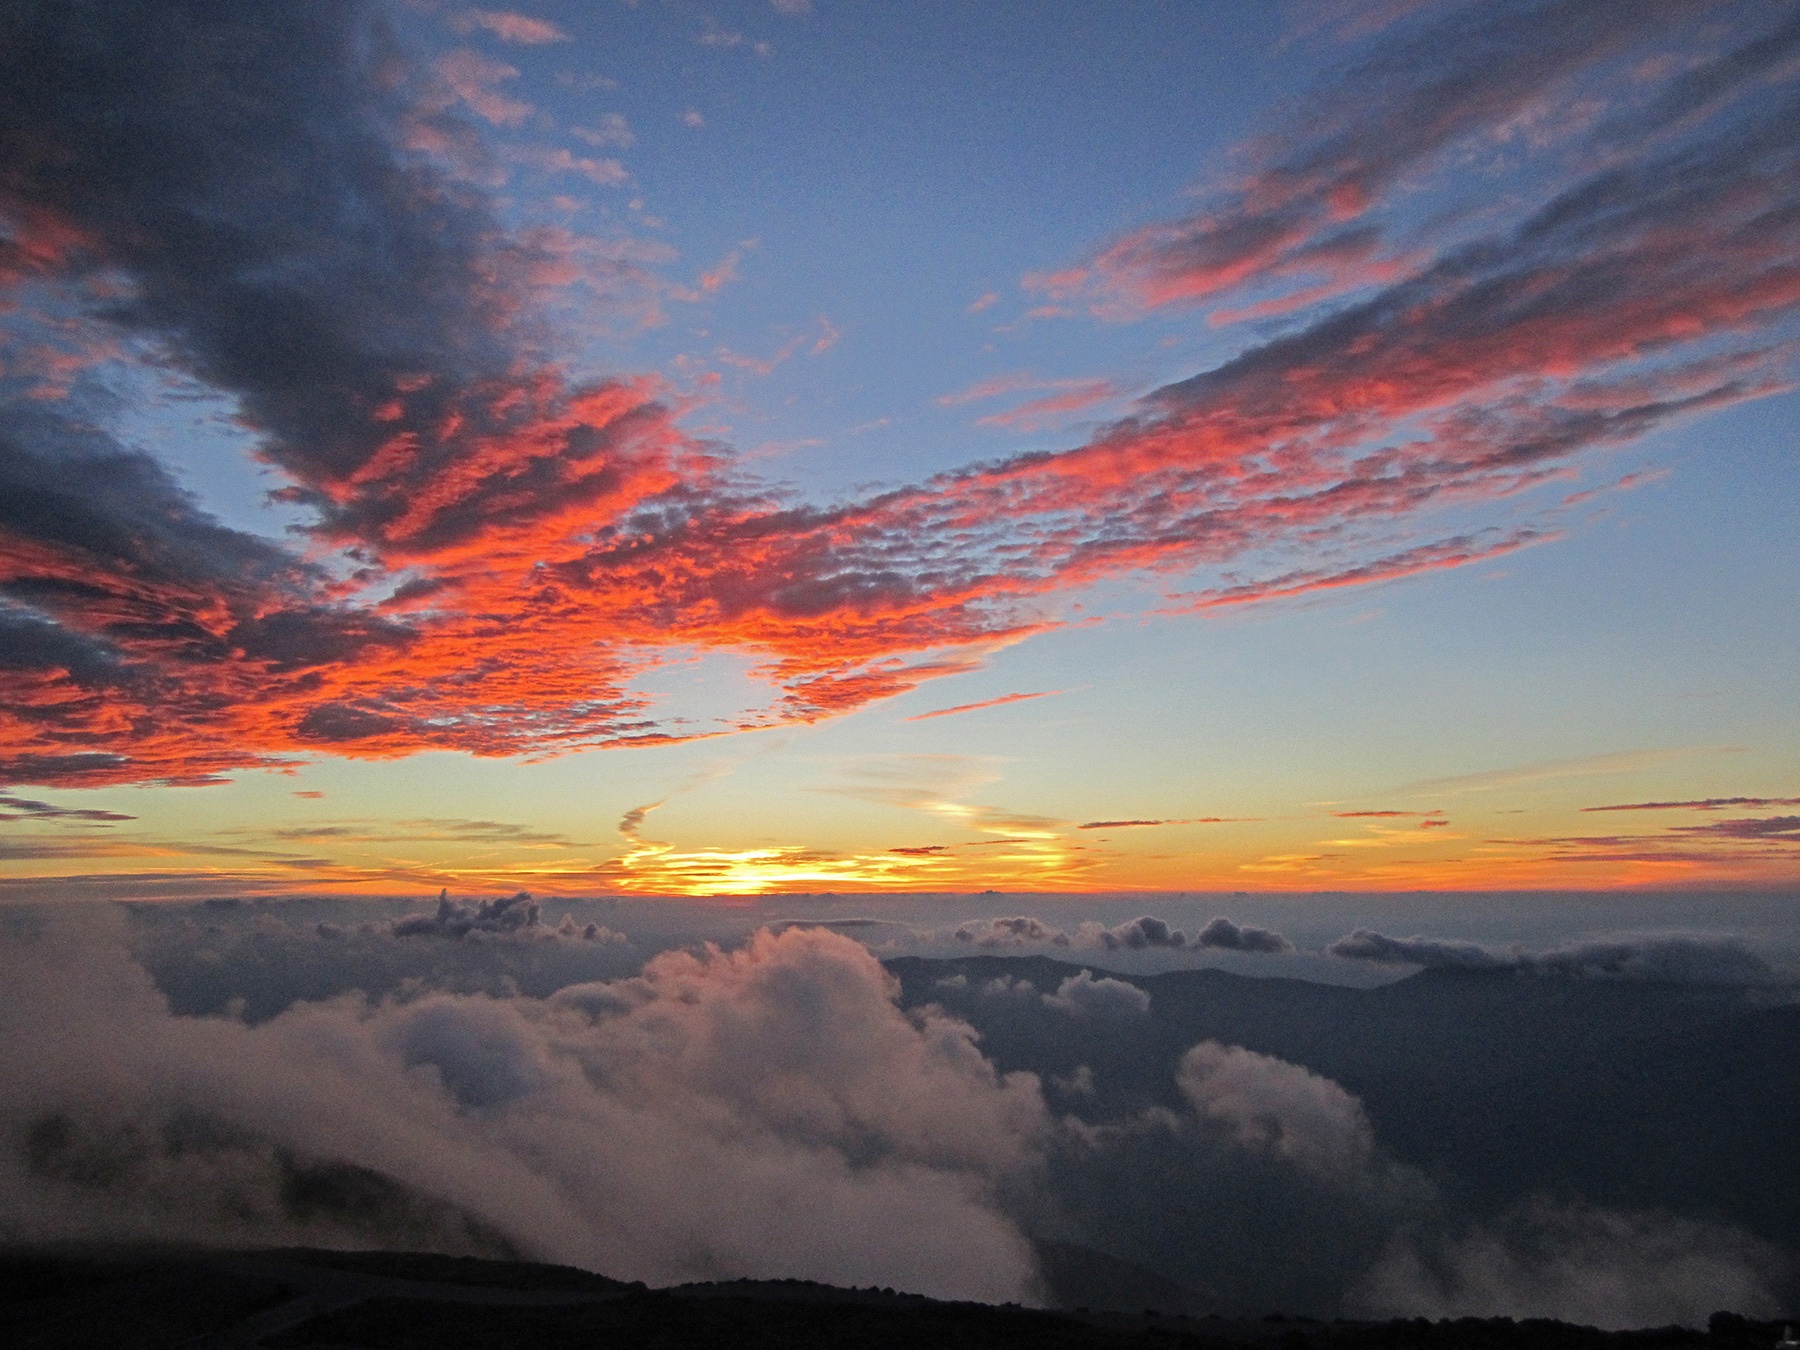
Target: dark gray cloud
[1694,958]
[68,486]
[1082,995]
[1701,804]
[1014,931]
[1710,83]
[30,641]
[1697,959]
[238,163]
[512,916]
[1785,828]
[502,916]
[1224,935]
[42,849]
[1364,944]
[1139,934]
[1145,933]
[24,808]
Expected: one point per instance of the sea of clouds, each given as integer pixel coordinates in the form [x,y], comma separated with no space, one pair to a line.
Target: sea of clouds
[765,1108]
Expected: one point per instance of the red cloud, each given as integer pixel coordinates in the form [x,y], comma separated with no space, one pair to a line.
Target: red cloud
[520,545]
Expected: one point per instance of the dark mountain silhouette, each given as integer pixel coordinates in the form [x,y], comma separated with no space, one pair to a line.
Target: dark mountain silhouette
[121,1299]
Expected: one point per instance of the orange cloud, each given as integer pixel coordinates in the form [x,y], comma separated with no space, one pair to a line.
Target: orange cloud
[976,707]
[1195,820]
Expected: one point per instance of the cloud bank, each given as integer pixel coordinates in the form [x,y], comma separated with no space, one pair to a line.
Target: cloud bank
[766,1111]
[1144,933]
[1688,958]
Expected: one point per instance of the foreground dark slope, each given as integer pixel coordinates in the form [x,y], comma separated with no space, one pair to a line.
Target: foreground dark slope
[169,1300]
[1619,1092]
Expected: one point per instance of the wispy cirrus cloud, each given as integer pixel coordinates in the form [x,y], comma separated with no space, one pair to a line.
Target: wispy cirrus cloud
[429,830]
[1458,552]
[1053,409]
[1190,820]
[1785,829]
[999,702]
[994,387]
[1064,397]
[1585,766]
[24,808]
[1703,804]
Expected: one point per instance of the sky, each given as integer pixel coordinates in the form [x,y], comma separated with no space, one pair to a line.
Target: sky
[792,446]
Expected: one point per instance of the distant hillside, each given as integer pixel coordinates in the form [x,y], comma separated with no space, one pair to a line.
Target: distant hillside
[1636,1093]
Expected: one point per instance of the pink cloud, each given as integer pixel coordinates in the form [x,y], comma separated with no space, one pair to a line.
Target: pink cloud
[600,172]
[722,275]
[993,388]
[1049,411]
[508,27]
[474,77]
[827,339]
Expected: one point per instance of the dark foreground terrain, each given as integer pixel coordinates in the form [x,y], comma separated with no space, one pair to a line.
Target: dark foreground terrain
[121,1299]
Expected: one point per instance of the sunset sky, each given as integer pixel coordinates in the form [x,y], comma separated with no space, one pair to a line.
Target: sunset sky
[642,446]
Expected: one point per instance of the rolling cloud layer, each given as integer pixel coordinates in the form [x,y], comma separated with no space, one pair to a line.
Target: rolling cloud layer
[1674,956]
[279,203]
[767,1111]
[1144,933]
